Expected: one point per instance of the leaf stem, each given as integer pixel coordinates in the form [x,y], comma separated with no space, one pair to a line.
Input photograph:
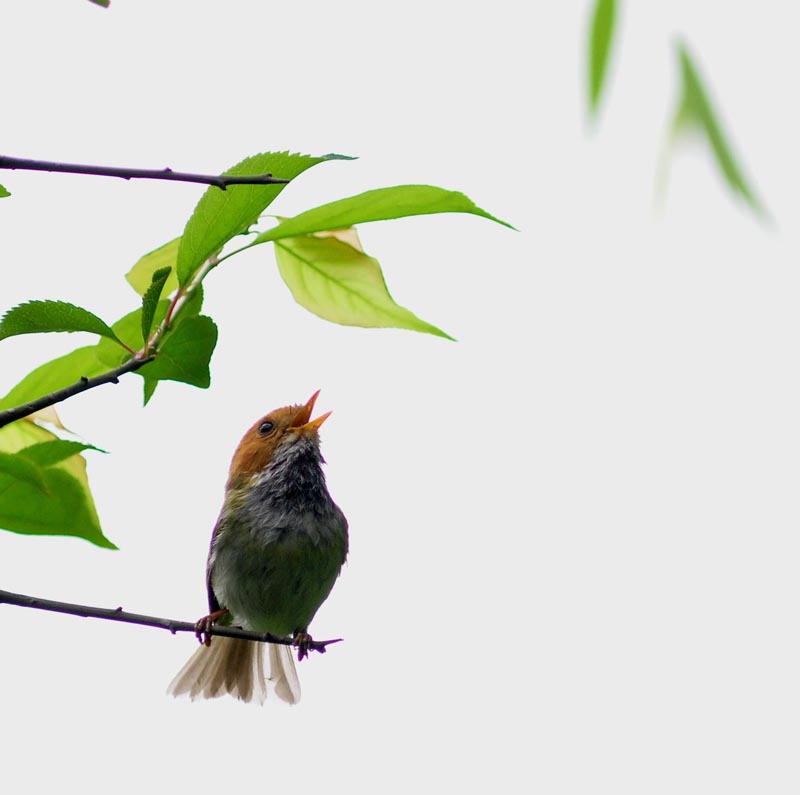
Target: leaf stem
[177,303]
[221,181]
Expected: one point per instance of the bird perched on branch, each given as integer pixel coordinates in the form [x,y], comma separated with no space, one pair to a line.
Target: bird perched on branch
[276,550]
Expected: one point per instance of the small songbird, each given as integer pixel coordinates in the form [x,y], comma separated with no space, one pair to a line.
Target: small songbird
[276,550]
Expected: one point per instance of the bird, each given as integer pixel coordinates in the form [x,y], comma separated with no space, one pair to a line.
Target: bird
[276,550]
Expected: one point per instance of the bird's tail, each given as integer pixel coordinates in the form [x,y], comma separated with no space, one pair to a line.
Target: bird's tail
[234,666]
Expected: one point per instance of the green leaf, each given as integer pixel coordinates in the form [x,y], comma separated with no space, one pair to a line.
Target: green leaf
[184,354]
[150,299]
[55,374]
[150,385]
[695,111]
[16,467]
[140,276]
[376,205]
[47,454]
[43,316]
[600,39]
[3,192]
[66,509]
[220,215]
[339,283]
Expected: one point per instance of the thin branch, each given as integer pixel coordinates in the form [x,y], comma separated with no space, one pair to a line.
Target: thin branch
[111,377]
[118,614]
[220,181]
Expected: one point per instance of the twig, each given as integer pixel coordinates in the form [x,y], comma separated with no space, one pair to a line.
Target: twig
[220,181]
[118,614]
[111,377]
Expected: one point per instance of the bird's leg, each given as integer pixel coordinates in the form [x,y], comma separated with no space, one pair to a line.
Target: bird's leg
[204,624]
[301,641]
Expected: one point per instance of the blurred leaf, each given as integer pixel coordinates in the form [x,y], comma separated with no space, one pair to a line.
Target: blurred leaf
[140,276]
[150,299]
[68,508]
[3,192]
[15,466]
[600,40]
[695,112]
[43,316]
[340,283]
[103,3]
[222,214]
[56,374]
[376,205]
[185,353]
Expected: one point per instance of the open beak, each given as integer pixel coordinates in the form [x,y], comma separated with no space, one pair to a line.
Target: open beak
[302,420]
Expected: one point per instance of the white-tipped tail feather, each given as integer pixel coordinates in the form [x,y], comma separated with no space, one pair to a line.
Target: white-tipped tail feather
[234,666]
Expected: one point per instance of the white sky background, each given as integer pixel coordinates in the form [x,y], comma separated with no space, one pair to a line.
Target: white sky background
[574,532]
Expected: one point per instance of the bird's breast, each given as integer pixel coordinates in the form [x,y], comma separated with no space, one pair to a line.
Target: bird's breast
[278,548]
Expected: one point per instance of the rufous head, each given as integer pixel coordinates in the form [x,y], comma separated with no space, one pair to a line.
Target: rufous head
[258,445]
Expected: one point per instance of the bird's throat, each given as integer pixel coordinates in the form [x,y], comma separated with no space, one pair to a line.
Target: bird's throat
[292,482]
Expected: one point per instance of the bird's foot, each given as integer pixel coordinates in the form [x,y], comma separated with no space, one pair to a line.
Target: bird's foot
[302,642]
[202,627]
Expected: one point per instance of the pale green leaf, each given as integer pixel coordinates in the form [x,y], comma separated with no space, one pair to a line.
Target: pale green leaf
[3,192]
[376,205]
[140,276]
[339,283]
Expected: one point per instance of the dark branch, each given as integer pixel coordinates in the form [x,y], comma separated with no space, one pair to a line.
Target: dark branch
[111,377]
[220,181]
[118,614]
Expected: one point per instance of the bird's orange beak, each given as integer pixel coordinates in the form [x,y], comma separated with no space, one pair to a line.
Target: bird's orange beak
[302,420]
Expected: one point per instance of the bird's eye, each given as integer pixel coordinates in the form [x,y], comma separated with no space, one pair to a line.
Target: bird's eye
[266,427]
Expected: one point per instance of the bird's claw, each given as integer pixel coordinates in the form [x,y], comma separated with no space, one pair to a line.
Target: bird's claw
[203,625]
[302,642]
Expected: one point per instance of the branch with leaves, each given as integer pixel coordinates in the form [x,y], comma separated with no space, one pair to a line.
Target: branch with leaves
[45,401]
[167,338]
[174,626]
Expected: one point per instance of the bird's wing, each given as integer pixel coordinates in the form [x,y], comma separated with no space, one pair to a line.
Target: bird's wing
[213,602]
